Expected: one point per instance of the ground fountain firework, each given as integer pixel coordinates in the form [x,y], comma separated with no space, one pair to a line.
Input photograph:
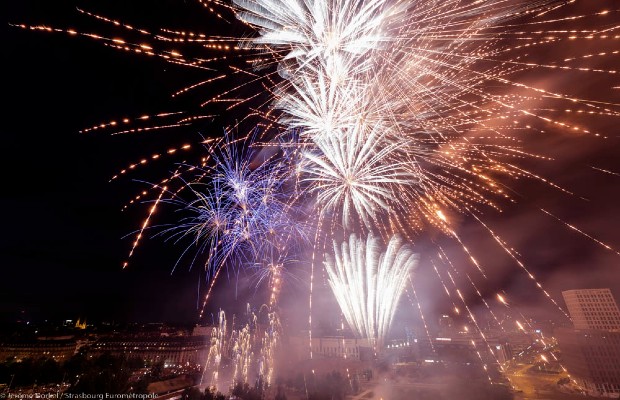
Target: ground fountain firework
[369,281]
[242,354]
[216,350]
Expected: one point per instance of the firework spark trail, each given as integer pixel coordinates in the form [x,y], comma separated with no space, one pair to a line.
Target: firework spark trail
[605,171]
[442,255]
[445,288]
[368,283]
[145,225]
[480,332]
[574,228]
[145,161]
[512,255]
[114,124]
[419,307]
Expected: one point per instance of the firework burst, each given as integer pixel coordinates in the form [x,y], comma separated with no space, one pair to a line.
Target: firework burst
[242,212]
[356,173]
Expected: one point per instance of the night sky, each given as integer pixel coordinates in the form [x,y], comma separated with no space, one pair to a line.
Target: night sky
[62,249]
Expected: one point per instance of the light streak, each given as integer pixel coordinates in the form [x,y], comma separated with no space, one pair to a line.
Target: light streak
[582,233]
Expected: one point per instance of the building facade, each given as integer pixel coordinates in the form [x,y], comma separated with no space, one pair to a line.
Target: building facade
[591,351]
[593,309]
[592,358]
[332,347]
[177,351]
[59,350]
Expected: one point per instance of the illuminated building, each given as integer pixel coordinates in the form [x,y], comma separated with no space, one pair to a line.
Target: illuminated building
[180,350]
[58,349]
[592,358]
[593,309]
[333,347]
[591,351]
[446,325]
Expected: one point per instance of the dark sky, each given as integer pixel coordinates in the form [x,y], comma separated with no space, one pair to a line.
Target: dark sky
[61,249]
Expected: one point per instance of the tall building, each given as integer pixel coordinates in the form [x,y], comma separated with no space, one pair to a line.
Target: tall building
[593,309]
[592,358]
[591,351]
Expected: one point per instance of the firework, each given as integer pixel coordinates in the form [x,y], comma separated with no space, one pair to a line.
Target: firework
[390,117]
[214,358]
[355,174]
[239,354]
[431,84]
[380,78]
[241,213]
[368,282]
[268,347]
[401,109]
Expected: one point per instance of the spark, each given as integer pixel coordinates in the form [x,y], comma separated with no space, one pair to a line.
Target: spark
[605,171]
[574,228]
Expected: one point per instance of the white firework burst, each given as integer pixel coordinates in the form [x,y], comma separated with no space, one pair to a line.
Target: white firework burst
[431,75]
[356,173]
[368,282]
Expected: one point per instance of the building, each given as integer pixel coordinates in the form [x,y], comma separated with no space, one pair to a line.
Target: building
[332,347]
[446,325]
[503,353]
[591,351]
[203,330]
[174,350]
[593,309]
[471,347]
[170,385]
[592,358]
[59,349]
